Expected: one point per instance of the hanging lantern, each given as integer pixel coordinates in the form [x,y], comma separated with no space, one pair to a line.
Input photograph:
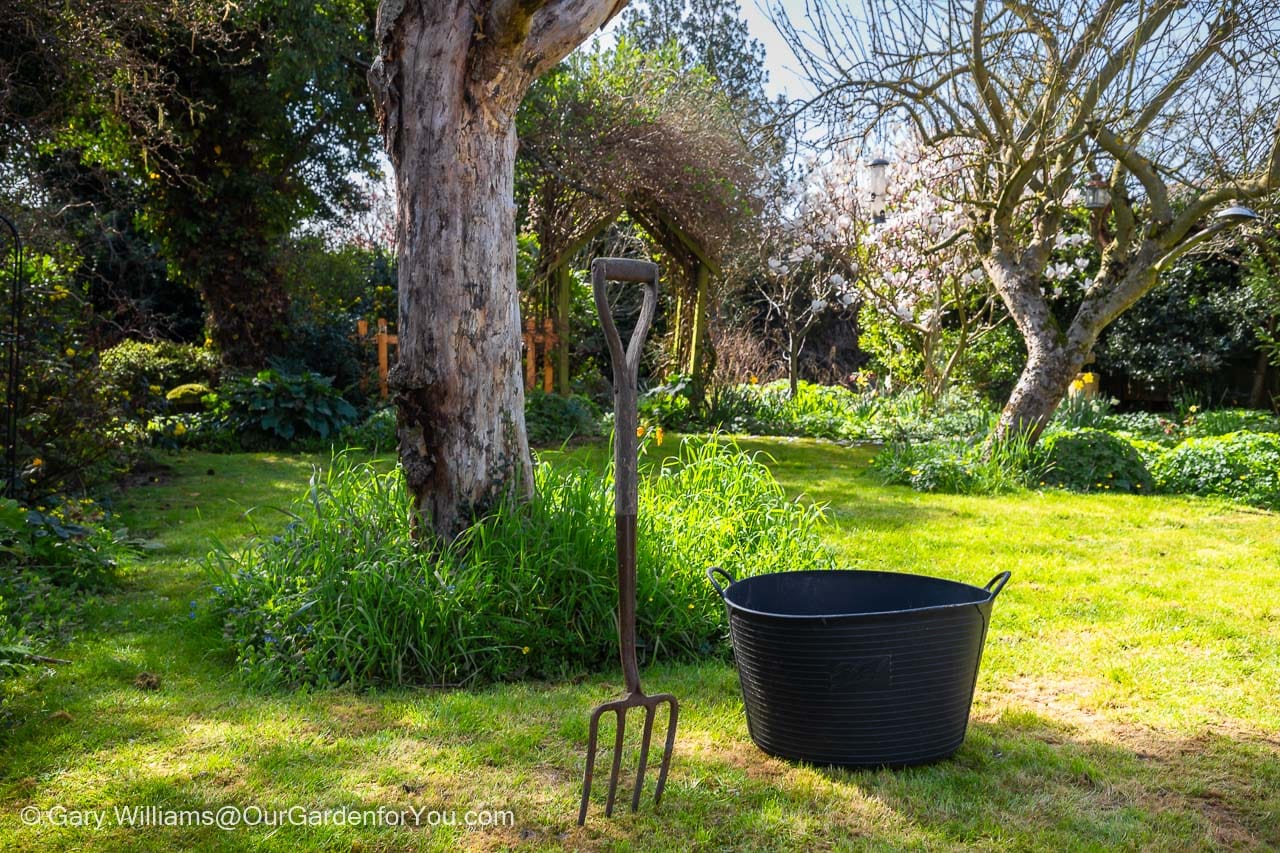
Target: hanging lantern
[1097,194]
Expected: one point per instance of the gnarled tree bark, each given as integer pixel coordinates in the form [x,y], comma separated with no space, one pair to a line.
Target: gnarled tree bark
[449,77]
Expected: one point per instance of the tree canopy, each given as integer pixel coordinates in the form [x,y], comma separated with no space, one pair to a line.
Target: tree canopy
[1173,102]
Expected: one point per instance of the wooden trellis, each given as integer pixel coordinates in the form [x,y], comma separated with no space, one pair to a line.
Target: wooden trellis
[383,340]
[539,340]
[544,340]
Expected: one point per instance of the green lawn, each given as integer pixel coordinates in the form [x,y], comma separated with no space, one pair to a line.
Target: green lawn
[1128,697]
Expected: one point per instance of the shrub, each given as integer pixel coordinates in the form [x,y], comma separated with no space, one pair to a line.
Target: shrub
[1078,411]
[957,467]
[376,433]
[552,419]
[1144,425]
[284,406]
[1089,459]
[70,433]
[197,430]
[344,594]
[50,564]
[141,370]
[669,405]
[1150,451]
[1242,466]
[817,411]
[1225,421]
[188,397]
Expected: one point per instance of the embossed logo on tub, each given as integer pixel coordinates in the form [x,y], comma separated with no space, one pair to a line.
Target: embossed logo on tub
[857,674]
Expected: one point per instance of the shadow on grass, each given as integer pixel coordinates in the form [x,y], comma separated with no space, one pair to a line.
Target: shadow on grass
[1021,779]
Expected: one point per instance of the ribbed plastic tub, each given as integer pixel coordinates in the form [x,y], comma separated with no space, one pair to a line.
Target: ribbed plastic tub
[857,668]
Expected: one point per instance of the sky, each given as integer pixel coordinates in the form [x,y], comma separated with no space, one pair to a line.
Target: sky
[784,76]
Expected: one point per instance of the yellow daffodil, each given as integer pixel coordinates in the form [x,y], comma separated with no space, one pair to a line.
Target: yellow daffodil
[180,428]
[753,379]
[657,435]
[639,432]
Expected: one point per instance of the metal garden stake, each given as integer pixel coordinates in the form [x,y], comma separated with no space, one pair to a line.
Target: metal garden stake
[626,365]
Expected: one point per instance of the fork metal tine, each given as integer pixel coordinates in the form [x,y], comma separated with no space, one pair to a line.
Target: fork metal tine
[644,754]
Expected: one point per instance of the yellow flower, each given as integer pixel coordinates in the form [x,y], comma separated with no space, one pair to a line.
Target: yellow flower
[37,462]
[154,389]
[690,606]
[1088,378]
[70,352]
[1077,385]
[1193,409]
[657,435]
[639,432]
[180,428]
[754,380]
[525,650]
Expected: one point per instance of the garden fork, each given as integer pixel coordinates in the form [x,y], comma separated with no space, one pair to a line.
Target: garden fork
[626,366]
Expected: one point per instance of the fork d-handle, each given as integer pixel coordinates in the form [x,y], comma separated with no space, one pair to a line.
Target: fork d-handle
[626,367]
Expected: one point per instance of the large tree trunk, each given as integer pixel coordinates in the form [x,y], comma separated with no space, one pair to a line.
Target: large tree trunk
[449,78]
[1040,388]
[248,317]
[1054,355]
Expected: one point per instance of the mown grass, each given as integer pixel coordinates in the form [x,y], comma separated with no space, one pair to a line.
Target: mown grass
[1127,697]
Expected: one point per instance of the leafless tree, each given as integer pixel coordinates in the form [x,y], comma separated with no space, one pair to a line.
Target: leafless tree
[1175,101]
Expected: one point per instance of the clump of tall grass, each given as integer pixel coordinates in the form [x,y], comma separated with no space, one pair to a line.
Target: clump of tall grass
[976,467]
[344,595]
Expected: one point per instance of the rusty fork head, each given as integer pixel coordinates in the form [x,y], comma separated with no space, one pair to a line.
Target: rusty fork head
[620,707]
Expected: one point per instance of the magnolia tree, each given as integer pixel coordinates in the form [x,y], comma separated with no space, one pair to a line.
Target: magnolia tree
[1174,102]
[809,251]
[918,270]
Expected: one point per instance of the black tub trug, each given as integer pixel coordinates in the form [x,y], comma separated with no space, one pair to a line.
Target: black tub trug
[854,668]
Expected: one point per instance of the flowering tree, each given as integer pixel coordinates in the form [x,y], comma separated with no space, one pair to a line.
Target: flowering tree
[809,254]
[1180,97]
[917,271]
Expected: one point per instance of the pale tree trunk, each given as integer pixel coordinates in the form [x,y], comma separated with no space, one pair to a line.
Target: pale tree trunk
[449,78]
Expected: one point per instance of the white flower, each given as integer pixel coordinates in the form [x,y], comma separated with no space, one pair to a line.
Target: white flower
[775,264]
[836,279]
[1081,263]
[846,299]
[817,305]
